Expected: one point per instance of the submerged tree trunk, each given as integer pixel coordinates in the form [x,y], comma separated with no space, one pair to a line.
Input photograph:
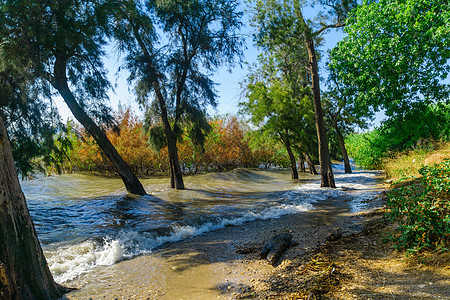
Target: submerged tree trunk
[171,173]
[294,173]
[176,176]
[348,168]
[312,168]
[59,82]
[24,273]
[301,164]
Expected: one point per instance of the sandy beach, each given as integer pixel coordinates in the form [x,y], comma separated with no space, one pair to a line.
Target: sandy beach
[222,263]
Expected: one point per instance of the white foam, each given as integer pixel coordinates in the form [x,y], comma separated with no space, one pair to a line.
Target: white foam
[68,262]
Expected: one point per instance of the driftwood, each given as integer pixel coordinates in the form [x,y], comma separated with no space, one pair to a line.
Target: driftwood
[273,249]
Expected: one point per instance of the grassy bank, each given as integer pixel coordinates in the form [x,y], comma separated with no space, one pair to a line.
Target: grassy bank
[406,166]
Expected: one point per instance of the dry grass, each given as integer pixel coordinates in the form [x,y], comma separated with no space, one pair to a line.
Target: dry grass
[407,165]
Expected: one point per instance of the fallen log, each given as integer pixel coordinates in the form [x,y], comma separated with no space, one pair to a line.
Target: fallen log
[273,249]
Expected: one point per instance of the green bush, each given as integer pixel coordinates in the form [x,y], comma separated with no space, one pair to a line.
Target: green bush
[422,211]
[437,179]
[365,149]
[414,129]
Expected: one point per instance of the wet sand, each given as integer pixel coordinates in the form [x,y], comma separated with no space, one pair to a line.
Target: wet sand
[218,264]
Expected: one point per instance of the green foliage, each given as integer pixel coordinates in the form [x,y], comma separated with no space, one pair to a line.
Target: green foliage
[69,31]
[267,151]
[395,53]
[31,121]
[437,179]
[410,130]
[366,149]
[157,138]
[423,121]
[171,67]
[423,211]
[280,113]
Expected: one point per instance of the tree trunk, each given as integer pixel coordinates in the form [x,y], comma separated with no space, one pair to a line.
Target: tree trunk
[326,172]
[59,82]
[24,273]
[171,173]
[310,162]
[275,247]
[301,164]
[176,174]
[294,173]
[348,168]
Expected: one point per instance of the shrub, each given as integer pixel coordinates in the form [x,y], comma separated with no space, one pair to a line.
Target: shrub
[422,211]
[366,149]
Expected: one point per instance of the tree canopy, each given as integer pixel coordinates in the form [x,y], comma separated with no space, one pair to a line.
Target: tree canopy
[32,121]
[395,53]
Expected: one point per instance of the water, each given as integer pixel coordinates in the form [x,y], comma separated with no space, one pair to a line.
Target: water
[86,221]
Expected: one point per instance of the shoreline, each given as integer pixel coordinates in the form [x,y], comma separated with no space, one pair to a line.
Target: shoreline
[220,264]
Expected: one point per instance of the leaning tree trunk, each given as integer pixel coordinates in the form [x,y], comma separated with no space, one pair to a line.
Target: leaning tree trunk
[59,82]
[326,172]
[348,168]
[24,273]
[287,143]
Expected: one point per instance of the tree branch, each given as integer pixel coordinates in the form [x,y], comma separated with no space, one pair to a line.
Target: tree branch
[337,25]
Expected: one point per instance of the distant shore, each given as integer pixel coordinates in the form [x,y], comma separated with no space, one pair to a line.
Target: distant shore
[219,264]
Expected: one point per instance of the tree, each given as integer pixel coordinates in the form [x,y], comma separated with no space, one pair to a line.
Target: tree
[172,64]
[24,273]
[279,21]
[276,109]
[395,54]
[63,39]
[266,150]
